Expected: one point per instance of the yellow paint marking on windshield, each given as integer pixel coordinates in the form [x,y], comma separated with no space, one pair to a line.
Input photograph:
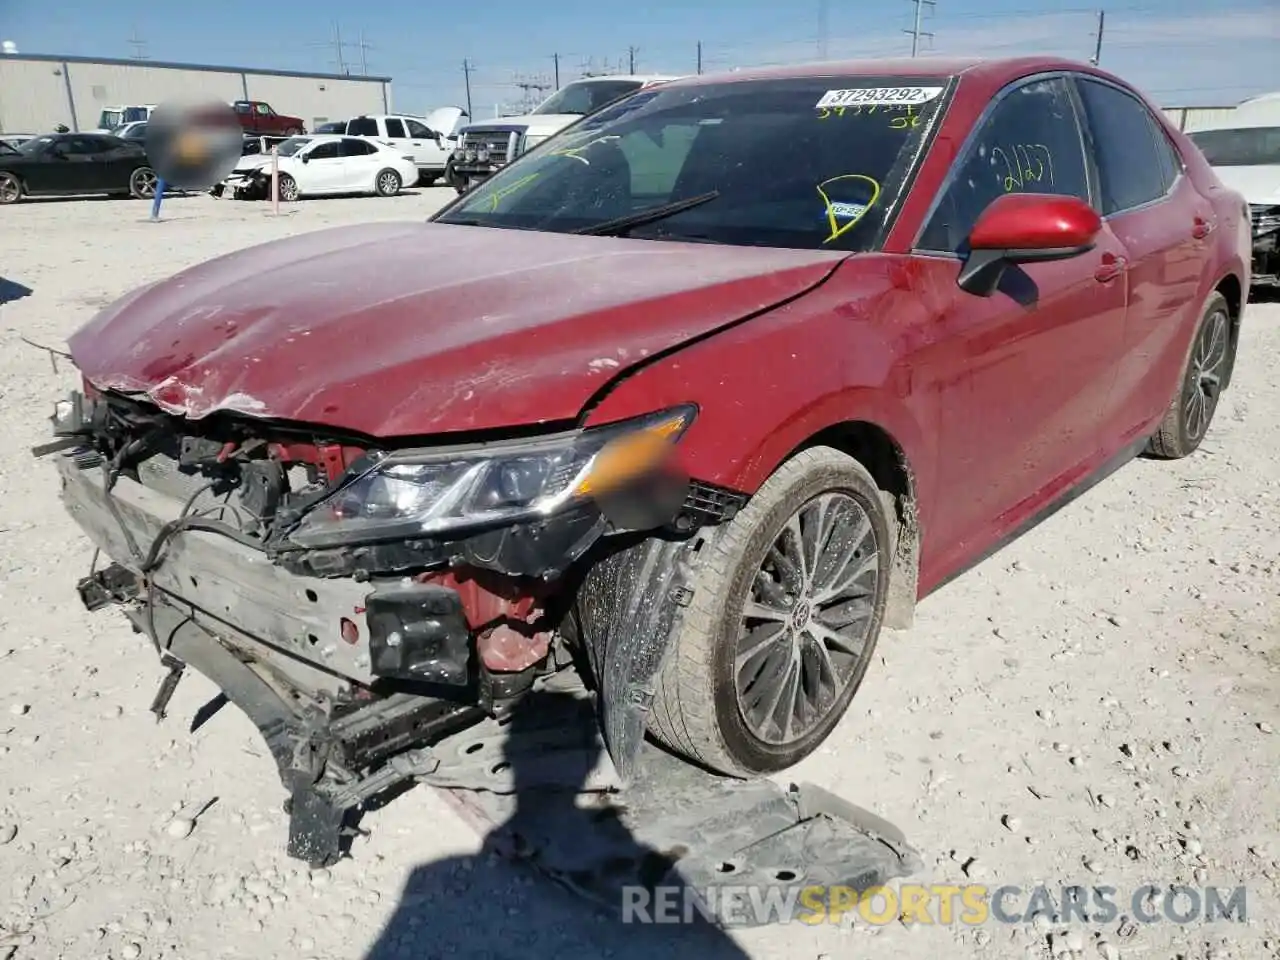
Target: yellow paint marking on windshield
[574,152]
[838,229]
[499,195]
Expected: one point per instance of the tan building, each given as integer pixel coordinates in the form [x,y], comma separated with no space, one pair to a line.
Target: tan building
[40,91]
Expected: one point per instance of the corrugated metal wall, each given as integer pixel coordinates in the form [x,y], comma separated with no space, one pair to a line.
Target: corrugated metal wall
[1197,118]
[38,94]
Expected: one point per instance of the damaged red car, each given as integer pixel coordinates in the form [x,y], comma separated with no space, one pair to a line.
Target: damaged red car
[693,399]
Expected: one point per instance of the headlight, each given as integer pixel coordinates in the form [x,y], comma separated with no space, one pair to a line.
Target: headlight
[423,493]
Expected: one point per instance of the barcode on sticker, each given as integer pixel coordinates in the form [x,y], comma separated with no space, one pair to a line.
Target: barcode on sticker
[878,96]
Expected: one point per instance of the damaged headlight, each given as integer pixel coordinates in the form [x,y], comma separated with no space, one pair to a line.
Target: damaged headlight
[423,493]
[1266,219]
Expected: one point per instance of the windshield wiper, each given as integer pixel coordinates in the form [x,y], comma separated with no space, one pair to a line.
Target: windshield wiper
[620,225]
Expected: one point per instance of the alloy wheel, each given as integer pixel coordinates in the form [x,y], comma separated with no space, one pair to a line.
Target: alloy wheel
[10,189]
[1208,365]
[144,183]
[389,184]
[805,628]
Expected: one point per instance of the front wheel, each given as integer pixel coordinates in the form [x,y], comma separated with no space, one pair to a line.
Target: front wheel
[10,188]
[288,188]
[387,183]
[1208,366]
[784,620]
[142,183]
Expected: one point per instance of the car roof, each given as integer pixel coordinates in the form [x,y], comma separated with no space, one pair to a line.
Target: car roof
[939,68]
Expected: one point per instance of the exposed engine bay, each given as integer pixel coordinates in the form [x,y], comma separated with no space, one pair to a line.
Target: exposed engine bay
[363,605]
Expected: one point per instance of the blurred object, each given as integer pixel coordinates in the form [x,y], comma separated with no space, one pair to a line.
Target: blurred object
[193,146]
[62,128]
[8,48]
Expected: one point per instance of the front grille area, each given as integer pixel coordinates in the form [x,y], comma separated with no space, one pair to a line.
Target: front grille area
[494,146]
[1264,217]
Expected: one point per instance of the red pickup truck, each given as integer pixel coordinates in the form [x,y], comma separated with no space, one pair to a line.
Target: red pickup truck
[257,116]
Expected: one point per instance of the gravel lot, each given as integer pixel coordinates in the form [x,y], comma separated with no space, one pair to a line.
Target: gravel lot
[1097,704]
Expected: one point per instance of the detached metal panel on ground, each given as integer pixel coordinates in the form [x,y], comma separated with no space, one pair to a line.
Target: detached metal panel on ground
[38,92]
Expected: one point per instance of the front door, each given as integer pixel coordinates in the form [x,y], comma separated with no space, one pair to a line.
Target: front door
[1028,370]
[325,169]
[429,148]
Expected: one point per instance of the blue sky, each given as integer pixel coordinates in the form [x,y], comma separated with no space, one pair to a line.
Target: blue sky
[1182,52]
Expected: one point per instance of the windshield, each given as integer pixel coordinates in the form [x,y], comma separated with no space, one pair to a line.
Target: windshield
[1242,147]
[586,96]
[293,145]
[110,119]
[6,147]
[793,163]
[34,145]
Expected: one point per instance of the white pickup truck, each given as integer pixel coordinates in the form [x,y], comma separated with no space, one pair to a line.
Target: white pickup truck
[1244,150]
[429,141]
[485,147]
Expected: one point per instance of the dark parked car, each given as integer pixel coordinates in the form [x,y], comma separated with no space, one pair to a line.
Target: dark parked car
[74,163]
[697,398]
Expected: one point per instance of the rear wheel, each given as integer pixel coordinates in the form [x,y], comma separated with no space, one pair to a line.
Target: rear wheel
[1191,411]
[387,183]
[10,188]
[784,620]
[142,183]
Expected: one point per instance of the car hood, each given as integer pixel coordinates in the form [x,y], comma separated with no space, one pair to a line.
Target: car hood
[390,329]
[445,120]
[537,125]
[1260,185]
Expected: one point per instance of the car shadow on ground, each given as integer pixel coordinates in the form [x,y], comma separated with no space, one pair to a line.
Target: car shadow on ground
[497,905]
[11,290]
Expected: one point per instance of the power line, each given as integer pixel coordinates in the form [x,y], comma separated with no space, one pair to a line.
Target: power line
[139,46]
[915,30]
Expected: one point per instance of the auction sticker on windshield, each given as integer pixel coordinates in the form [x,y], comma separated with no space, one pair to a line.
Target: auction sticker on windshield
[878,96]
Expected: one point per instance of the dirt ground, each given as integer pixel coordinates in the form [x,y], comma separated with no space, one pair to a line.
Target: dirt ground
[1095,705]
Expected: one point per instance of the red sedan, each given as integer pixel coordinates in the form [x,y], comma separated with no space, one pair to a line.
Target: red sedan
[698,395]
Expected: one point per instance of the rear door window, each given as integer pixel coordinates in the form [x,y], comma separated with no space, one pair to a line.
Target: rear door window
[1123,134]
[1029,143]
[357,148]
[324,151]
[395,129]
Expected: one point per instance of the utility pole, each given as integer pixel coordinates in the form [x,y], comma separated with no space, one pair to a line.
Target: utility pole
[337,48]
[631,59]
[555,58]
[1097,50]
[822,29]
[364,62]
[139,46]
[699,56]
[466,76]
[915,31]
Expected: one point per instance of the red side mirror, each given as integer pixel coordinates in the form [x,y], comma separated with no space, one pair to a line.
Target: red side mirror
[1025,228]
[1035,221]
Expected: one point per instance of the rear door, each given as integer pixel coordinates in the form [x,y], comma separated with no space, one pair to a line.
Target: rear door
[1166,226]
[1027,371]
[361,163]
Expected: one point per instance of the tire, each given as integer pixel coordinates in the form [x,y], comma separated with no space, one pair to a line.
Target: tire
[288,187]
[1208,366]
[698,709]
[11,189]
[387,183]
[142,183]
[428,179]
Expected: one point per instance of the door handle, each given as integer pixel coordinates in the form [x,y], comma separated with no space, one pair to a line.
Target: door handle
[1202,228]
[1110,268]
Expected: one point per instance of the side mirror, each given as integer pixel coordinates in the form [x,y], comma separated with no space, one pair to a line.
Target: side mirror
[1025,228]
[305,158]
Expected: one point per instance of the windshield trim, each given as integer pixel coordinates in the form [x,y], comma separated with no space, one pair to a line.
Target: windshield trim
[907,166]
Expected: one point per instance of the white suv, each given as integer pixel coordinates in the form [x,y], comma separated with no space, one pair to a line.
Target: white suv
[1244,150]
[428,141]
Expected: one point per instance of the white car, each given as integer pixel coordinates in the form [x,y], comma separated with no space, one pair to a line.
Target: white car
[313,166]
[428,140]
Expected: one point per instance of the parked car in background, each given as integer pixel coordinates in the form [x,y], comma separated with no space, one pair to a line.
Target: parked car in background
[75,163]
[489,145]
[260,145]
[332,126]
[135,132]
[1244,150]
[312,166]
[429,140]
[112,118]
[258,116]
[696,401]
